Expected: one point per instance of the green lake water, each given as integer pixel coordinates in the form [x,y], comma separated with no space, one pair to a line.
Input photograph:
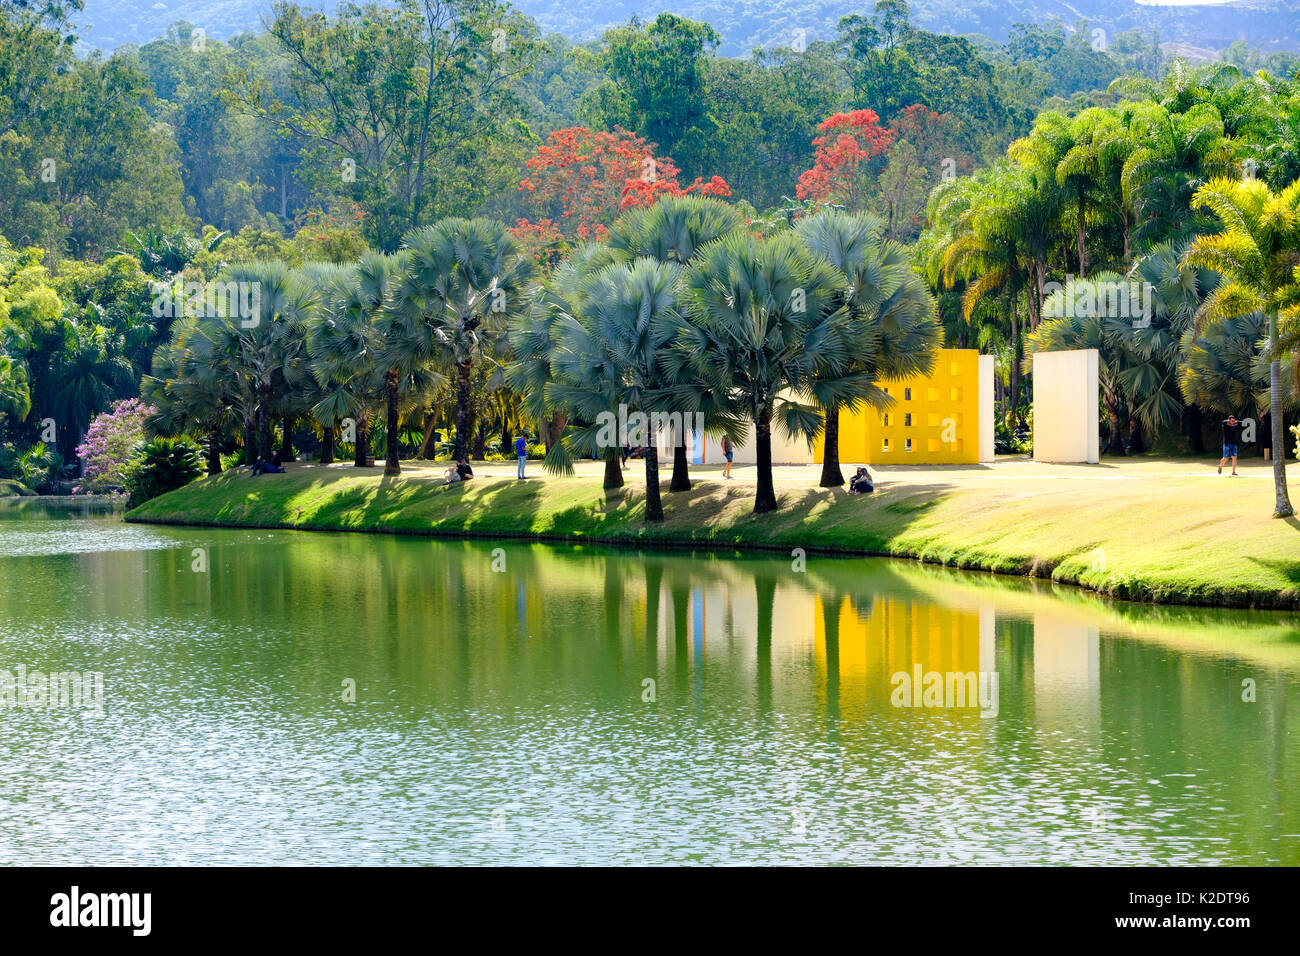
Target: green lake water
[286,697]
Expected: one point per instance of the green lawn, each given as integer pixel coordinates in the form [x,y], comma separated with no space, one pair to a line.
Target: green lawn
[1145,532]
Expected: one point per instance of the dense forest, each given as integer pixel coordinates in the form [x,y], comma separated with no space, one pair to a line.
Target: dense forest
[320,157]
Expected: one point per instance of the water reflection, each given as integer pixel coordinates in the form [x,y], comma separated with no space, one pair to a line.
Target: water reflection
[523,702]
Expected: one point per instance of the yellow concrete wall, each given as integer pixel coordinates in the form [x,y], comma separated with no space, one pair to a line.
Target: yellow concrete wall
[946,401]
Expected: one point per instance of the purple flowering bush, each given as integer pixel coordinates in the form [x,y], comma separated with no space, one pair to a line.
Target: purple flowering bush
[109,443]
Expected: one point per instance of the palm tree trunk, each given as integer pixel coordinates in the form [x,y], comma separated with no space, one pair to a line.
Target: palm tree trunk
[462,410]
[392,463]
[505,438]
[327,445]
[1081,236]
[429,430]
[1282,505]
[250,439]
[613,471]
[363,441]
[681,468]
[1195,436]
[286,438]
[1136,445]
[832,477]
[214,450]
[552,428]
[654,506]
[1115,442]
[264,424]
[765,500]
[1013,401]
[480,442]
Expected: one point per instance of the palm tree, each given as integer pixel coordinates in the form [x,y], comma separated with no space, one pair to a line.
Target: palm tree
[1224,369]
[89,373]
[1058,153]
[535,337]
[188,401]
[1258,256]
[1155,348]
[993,232]
[461,279]
[345,345]
[612,352]
[674,230]
[764,321]
[893,329]
[1176,153]
[268,346]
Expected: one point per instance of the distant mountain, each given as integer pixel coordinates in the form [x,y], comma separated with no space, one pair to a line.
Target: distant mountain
[746,24]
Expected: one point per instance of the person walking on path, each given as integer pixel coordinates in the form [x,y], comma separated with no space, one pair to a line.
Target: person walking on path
[521,449]
[1231,438]
[729,452]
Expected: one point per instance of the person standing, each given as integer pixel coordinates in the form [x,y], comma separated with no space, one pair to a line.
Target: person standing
[1231,438]
[728,451]
[521,449]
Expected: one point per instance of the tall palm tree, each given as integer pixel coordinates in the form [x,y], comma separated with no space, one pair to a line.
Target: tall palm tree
[1224,369]
[611,353]
[893,329]
[674,230]
[535,338]
[1176,153]
[461,279]
[763,320]
[990,232]
[88,374]
[188,401]
[1258,255]
[1155,347]
[269,345]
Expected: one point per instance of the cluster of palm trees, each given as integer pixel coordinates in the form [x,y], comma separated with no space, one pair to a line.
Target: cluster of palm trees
[1187,187]
[682,310]
[685,311]
[341,345]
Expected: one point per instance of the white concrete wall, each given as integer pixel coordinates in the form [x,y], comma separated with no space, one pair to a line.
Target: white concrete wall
[987,412]
[1066,406]
[785,451]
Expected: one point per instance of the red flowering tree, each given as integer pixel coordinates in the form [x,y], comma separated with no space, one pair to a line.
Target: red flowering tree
[842,171]
[581,179]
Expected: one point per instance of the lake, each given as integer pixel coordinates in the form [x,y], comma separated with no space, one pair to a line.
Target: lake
[289,697]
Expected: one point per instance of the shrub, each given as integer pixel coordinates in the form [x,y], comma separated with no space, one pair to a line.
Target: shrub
[161,465]
[109,444]
[35,467]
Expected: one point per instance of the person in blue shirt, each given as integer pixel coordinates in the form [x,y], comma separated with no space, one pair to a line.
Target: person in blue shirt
[521,449]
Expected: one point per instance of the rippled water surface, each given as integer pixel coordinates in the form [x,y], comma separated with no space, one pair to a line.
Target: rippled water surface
[526,703]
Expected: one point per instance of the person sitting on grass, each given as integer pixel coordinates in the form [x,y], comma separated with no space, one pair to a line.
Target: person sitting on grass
[268,468]
[861,483]
[464,470]
[1231,438]
[451,475]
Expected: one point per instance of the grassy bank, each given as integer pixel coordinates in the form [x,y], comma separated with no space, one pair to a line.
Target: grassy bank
[12,489]
[1163,538]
